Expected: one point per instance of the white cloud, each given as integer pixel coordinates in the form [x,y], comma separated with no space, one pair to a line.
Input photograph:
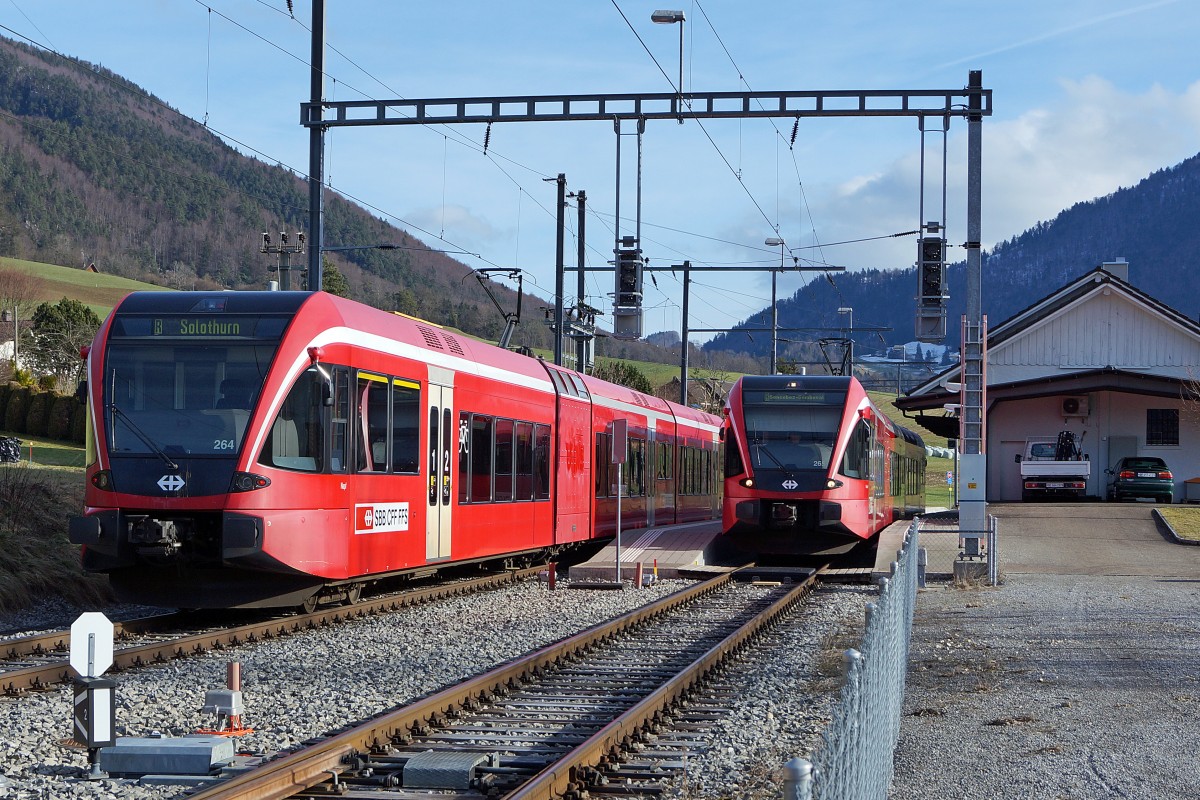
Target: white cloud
[1095,139]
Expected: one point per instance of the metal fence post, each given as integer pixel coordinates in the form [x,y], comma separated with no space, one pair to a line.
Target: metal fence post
[993,552]
[797,779]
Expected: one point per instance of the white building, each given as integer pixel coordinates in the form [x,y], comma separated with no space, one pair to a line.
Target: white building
[1098,357]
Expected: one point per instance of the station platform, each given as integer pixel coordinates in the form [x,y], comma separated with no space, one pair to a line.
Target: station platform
[891,539]
[679,551]
[672,549]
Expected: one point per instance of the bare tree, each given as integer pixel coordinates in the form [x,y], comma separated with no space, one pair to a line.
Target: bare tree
[19,295]
[1189,393]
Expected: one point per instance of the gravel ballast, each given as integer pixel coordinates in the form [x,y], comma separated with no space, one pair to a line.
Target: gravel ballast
[304,685]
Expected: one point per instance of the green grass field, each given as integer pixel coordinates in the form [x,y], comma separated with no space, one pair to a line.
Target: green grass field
[97,291]
[48,452]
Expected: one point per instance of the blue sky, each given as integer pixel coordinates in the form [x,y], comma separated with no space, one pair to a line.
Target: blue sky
[1089,96]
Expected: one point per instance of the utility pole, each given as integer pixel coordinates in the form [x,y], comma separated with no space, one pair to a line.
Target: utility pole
[581,342]
[559,269]
[284,249]
[316,147]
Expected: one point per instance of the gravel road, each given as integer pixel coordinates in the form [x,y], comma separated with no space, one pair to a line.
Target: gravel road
[1077,678]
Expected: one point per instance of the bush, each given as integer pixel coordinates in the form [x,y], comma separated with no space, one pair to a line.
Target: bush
[78,423]
[17,408]
[38,415]
[61,417]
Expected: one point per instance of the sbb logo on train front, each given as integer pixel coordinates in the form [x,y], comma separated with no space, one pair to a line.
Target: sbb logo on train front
[381,518]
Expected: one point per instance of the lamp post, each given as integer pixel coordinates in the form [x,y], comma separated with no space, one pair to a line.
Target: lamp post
[775,241]
[850,331]
[664,17]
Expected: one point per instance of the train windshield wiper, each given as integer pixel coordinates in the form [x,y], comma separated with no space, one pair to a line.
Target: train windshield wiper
[766,450]
[139,433]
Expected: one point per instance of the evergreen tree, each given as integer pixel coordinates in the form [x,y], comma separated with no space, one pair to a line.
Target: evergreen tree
[59,332]
[333,281]
[623,374]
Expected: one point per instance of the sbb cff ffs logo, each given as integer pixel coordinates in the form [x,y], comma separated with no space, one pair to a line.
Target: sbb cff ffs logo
[381,518]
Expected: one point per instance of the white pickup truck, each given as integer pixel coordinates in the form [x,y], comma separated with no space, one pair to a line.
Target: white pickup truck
[1054,466]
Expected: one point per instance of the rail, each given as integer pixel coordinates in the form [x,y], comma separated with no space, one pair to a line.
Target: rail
[14,682]
[303,769]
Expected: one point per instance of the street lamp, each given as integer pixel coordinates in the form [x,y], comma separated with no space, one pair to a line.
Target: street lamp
[775,241]
[850,347]
[663,17]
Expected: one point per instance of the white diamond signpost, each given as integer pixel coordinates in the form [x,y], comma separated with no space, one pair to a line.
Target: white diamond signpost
[95,711]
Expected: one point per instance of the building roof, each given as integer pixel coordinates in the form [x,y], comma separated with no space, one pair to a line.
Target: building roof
[1097,332]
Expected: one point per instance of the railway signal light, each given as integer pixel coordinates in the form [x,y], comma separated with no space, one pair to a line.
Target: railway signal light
[931,289]
[627,295]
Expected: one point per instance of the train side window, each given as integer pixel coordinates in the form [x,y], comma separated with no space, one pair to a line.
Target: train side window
[481,459]
[464,457]
[664,461]
[580,388]
[541,462]
[602,462]
[504,460]
[406,420]
[524,457]
[372,422]
[340,427]
[559,383]
[855,461]
[295,439]
[636,467]
[733,456]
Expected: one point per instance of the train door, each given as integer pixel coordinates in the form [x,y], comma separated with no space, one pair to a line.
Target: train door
[650,473]
[441,447]
[876,485]
[573,475]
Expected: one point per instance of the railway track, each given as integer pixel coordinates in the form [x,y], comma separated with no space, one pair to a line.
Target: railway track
[609,710]
[39,661]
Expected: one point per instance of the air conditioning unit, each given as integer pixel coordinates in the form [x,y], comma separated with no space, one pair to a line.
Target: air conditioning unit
[1075,406]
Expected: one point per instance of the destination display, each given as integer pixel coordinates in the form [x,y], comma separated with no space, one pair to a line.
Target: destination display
[792,398]
[195,326]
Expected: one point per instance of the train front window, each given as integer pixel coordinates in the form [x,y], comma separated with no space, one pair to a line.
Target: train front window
[791,433]
[181,398]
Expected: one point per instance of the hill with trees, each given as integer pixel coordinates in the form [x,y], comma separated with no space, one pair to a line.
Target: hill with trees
[96,171]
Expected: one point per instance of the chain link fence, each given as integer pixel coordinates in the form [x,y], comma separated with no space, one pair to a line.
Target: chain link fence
[952,553]
[854,758]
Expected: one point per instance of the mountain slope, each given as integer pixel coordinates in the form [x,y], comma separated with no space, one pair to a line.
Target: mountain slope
[95,170]
[1152,225]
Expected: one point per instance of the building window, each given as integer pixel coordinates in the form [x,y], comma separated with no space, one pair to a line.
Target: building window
[1162,427]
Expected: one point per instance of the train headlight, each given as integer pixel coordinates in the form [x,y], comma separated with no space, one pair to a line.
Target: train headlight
[102,480]
[747,482]
[833,483]
[248,482]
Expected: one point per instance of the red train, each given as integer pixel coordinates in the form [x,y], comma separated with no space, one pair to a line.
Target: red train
[252,449]
[813,467]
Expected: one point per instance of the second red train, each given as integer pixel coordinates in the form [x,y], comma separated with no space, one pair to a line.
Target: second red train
[813,467]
